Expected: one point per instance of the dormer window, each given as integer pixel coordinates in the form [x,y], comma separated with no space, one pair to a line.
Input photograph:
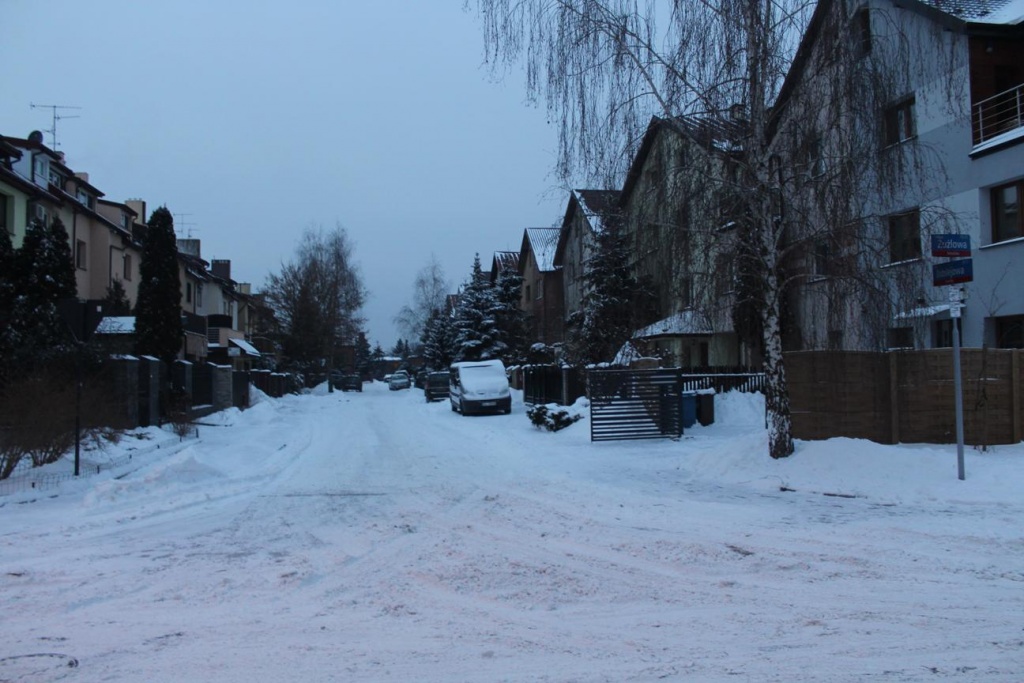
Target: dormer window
[56,179]
[861,32]
[84,198]
[40,170]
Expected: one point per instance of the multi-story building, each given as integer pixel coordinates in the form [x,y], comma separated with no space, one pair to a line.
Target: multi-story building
[909,119]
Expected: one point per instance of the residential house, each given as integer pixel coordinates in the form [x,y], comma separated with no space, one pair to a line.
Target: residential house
[100,236]
[501,262]
[675,210]
[588,213]
[927,147]
[542,285]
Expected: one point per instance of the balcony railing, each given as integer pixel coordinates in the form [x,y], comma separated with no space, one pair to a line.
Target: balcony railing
[998,114]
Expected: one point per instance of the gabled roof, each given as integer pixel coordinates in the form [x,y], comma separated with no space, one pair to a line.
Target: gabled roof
[708,132]
[542,242]
[502,261]
[979,11]
[955,15]
[597,206]
[682,324]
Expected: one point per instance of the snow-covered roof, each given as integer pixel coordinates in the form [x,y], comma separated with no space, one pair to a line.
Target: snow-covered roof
[543,242]
[922,312]
[982,11]
[505,260]
[679,324]
[121,324]
[245,346]
[597,205]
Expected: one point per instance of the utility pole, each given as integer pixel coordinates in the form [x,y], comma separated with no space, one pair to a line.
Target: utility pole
[56,117]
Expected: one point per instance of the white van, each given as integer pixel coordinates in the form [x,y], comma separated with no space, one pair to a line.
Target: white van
[478,387]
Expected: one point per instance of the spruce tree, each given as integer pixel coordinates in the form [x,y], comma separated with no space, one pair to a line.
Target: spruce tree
[606,319]
[511,318]
[158,325]
[43,275]
[115,303]
[438,341]
[363,355]
[477,336]
[7,270]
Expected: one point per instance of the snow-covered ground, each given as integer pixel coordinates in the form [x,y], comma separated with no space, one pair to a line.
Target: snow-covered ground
[375,537]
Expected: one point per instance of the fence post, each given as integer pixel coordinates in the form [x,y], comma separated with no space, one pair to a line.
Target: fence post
[1015,397]
[894,403]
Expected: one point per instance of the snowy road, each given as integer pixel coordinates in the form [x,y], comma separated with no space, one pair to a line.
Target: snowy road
[374,537]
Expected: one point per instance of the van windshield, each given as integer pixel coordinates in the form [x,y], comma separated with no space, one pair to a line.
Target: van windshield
[483,377]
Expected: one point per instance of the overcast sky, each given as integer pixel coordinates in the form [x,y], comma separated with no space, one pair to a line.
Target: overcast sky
[252,120]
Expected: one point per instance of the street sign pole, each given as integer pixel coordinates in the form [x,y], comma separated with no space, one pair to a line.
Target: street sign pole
[952,273]
[954,313]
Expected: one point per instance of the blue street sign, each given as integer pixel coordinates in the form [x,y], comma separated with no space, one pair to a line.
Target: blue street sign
[951,245]
[953,272]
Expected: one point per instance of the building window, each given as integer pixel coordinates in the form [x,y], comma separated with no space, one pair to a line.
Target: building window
[56,179]
[835,340]
[820,260]
[861,30]
[188,292]
[4,220]
[40,171]
[686,292]
[1010,332]
[905,236]
[528,297]
[84,198]
[199,294]
[127,274]
[538,290]
[900,337]
[81,255]
[942,334]
[1007,221]
[899,122]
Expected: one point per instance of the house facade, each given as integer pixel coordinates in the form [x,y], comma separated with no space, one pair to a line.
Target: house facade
[899,150]
[588,213]
[542,286]
[674,209]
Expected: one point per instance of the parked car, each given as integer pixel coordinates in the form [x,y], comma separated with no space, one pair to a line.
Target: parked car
[399,380]
[479,386]
[349,382]
[435,386]
[420,381]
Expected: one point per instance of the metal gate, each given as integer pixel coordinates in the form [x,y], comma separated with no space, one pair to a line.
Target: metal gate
[635,404]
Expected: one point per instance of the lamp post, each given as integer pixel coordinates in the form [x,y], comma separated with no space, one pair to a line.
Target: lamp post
[81,318]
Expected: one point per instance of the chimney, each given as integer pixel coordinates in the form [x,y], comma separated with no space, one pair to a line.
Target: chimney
[139,207]
[190,247]
[82,175]
[221,268]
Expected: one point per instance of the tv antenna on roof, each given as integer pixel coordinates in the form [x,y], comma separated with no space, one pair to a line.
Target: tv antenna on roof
[182,227]
[56,117]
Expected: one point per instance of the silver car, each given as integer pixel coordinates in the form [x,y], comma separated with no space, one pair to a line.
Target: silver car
[399,380]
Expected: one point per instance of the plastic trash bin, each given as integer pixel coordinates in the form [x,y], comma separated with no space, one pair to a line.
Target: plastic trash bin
[706,408]
[689,400]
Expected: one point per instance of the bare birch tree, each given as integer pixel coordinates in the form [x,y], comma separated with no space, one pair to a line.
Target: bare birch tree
[811,173]
[317,297]
[604,67]
[429,292]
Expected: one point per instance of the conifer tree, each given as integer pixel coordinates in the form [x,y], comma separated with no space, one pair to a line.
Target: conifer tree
[606,320]
[364,355]
[477,336]
[158,309]
[43,275]
[7,269]
[511,318]
[116,301]
[438,341]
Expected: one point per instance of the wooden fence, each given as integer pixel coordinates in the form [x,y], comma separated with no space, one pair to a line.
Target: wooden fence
[906,396]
